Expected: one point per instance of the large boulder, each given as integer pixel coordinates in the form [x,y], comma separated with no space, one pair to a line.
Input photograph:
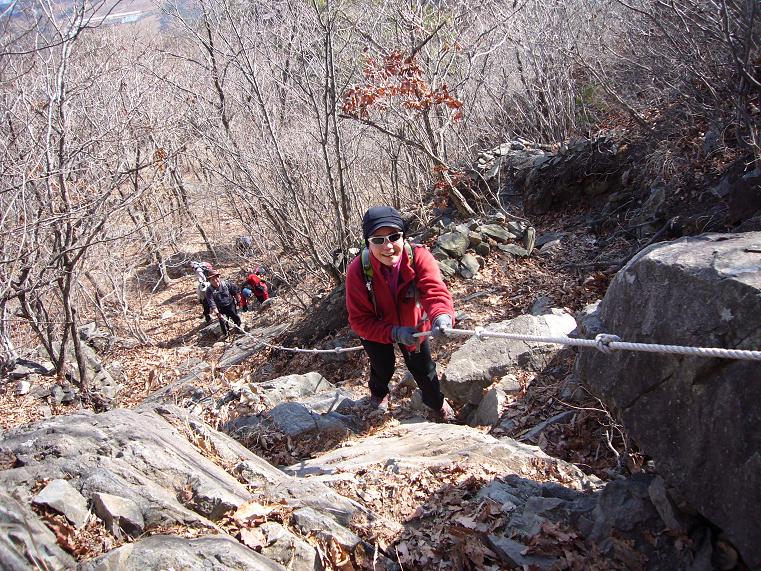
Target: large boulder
[697,417]
[479,363]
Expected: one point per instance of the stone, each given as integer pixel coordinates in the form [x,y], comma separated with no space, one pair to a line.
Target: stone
[22,387]
[475,238]
[697,291]
[287,548]
[511,552]
[454,243]
[497,233]
[489,409]
[483,249]
[440,254]
[589,321]
[548,237]
[291,387]
[469,266]
[513,249]
[295,419]
[26,543]
[214,552]
[448,267]
[541,306]
[529,239]
[62,497]
[550,247]
[119,514]
[509,384]
[476,364]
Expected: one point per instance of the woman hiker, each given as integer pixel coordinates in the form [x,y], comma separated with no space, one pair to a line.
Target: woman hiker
[394,290]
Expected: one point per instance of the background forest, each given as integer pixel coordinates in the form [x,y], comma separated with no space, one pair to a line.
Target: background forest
[128,148]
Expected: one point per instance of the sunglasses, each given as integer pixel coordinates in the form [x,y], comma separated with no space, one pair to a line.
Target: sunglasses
[380,240]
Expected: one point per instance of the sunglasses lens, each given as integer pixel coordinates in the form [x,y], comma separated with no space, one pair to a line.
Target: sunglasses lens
[380,240]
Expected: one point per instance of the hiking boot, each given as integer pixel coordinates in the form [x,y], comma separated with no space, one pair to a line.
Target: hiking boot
[445,414]
[379,403]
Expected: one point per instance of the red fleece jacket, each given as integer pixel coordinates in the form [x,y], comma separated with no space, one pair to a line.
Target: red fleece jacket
[400,309]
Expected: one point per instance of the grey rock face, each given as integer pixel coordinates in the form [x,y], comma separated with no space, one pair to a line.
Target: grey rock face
[699,291]
[292,387]
[26,543]
[218,553]
[477,364]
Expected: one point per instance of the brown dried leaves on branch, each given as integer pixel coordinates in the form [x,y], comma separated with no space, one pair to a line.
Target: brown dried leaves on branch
[396,76]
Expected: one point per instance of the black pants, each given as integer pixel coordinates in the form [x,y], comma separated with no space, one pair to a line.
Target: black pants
[420,364]
[230,312]
[206,310]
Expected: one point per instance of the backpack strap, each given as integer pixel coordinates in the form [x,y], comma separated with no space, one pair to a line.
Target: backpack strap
[367,271]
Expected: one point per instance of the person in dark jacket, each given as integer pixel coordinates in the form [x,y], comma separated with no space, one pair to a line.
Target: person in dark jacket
[408,296]
[223,298]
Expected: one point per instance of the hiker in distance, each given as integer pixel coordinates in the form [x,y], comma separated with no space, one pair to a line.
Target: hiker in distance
[202,271]
[394,290]
[223,298]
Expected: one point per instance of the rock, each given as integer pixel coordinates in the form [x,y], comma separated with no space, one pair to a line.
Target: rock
[517,229]
[247,345]
[291,387]
[511,553]
[469,266]
[550,247]
[288,549]
[514,250]
[549,237]
[422,445]
[119,514]
[448,267]
[25,367]
[698,291]
[475,365]
[541,306]
[65,499]
[22,387]
[497,233]
[454,243]
[475,239]
[295,419]
[589,321]
[170,552]
[529,239]
[308,521]
[483,249]
[489,409]
[26,543]
[509,384]
[440,254]
[663,504]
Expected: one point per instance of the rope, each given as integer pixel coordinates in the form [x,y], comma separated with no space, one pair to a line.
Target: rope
[606,343]
[337,350]
[603,342]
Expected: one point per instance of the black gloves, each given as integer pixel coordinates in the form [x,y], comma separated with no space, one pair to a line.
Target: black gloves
[404,335]
[439,324]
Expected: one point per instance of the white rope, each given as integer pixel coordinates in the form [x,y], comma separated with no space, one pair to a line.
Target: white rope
[606,343]
[337,350]
[603,342]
